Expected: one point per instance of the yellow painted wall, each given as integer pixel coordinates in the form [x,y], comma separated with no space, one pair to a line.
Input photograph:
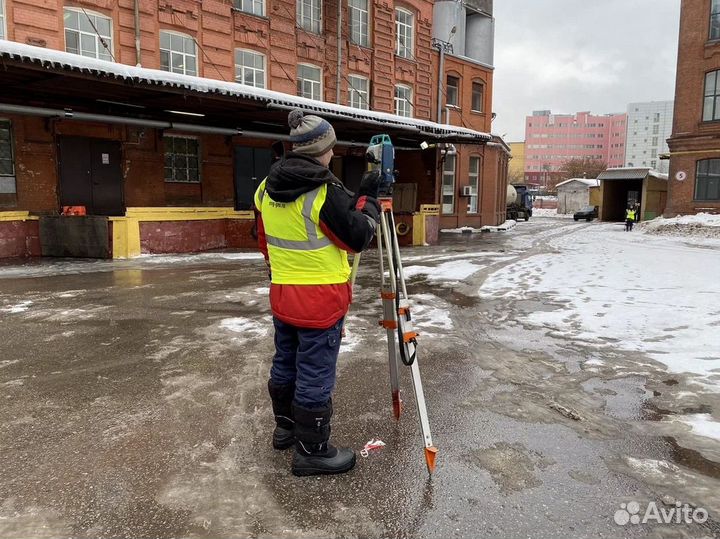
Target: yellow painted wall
[517,163]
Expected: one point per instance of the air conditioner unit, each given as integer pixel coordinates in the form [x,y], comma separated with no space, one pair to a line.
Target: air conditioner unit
[467,191]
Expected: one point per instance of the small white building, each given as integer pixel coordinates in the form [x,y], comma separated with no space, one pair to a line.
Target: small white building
[574,194]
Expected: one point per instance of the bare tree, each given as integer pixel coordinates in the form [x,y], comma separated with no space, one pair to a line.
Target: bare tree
[581,167]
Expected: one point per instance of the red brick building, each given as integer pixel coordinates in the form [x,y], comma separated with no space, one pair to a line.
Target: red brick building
[141,118]
[694,179]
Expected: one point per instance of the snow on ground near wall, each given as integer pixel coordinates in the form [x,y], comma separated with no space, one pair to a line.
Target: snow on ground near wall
[652,295]
[507,225]
[702,225]
[550,212]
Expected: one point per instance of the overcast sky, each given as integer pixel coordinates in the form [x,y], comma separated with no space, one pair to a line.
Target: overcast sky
[577,55]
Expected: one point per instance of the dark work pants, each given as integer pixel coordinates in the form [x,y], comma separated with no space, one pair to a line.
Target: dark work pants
[306,357]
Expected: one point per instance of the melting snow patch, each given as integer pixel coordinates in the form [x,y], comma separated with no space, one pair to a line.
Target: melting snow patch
[19,308]
[448,271]
[702,425]
[507,225]
[246,326]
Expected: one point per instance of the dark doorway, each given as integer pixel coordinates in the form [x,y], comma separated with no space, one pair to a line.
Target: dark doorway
[91,175]
[251,167]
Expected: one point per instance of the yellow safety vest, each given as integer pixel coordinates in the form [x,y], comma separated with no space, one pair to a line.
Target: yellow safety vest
[631,215]
[299,252]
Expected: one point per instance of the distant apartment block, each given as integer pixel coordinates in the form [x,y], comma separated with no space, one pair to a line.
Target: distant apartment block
[649,126]
[553,139]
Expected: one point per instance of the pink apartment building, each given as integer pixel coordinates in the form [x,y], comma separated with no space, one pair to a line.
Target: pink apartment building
[552,139]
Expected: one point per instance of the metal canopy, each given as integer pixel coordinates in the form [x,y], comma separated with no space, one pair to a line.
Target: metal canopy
[34,76]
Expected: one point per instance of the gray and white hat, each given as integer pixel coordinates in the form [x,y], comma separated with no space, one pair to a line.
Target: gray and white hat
[310,135]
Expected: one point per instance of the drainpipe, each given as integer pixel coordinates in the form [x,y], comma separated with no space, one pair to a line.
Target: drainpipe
[137,33]
[441,70]
[339,52]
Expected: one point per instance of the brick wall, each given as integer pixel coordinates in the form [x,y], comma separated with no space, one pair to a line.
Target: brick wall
[692,138]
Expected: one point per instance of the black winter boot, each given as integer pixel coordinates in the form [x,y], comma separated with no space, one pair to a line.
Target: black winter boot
[282,397]
[313,454]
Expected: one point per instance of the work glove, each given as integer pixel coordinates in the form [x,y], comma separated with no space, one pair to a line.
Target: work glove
[370,184]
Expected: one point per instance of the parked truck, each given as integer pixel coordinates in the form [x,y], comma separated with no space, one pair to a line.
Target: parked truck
[519,202]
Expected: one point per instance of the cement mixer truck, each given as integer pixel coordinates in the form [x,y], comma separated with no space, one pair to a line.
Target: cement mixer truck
[519,202]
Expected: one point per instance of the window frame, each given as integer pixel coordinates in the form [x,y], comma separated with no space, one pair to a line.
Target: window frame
[171,52]
[238,5]
[240,78]
[481,85]
[699,176]
[363,97]
[97,37]
[353,12]
[11,145]
[457,87]
[477,175]
[404,100]
[186,155]
[715,97]
[451,191]
[409,51]
[300,16]
[320,81]
[714,21]
[3,19]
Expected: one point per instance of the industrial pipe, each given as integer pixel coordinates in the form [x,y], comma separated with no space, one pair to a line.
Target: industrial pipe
[137,33]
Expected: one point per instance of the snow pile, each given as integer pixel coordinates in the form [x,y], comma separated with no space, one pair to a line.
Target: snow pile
[702,225]
[456,270]
[507,225]
[549,212]
[461,230]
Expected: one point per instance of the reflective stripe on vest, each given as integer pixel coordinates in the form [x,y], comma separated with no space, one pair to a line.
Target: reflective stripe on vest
[313,242]
[299,252]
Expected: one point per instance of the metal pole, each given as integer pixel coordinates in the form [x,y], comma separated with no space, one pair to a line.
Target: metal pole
[441,70]
[137,33]
[339,52]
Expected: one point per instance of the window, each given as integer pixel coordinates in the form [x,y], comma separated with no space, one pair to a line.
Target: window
[404,22]
[88,34]
[655,141]
[715,19]
[474,184]
[2,19]
[478,95]
[309,82]
[309,14]
[707,180]
[177,53]
[7,159]
[453,90]
[256,7]
[403,101]
[448,184]
[656,117]
[250,68]
[182,159]
[359,22]
[358,92]
[711,105]
[656,129]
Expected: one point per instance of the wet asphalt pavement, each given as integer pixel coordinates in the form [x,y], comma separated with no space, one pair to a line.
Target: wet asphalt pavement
[134,405]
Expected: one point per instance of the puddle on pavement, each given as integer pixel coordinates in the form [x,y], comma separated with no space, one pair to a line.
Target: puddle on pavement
[623,398]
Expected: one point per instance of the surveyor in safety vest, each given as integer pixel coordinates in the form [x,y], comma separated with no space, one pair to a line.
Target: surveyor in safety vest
[629,218]
[307,223]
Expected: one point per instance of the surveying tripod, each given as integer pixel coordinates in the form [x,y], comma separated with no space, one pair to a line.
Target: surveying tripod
[401,338]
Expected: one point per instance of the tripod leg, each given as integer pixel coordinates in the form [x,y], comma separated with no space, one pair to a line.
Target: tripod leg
[430,450]
[390,320]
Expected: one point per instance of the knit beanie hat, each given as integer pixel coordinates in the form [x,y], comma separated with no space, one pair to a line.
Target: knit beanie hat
[310,135]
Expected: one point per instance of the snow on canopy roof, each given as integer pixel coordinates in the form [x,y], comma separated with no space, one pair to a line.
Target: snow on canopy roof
[587,181]
[631,174]
[53,59]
